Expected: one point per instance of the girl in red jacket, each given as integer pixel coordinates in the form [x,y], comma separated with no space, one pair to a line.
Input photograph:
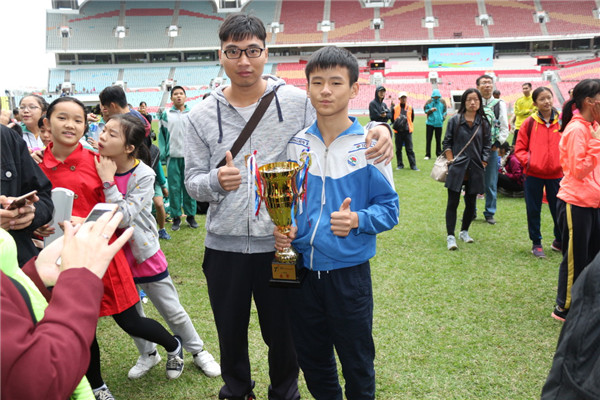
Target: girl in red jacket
[537,150]
[578,202]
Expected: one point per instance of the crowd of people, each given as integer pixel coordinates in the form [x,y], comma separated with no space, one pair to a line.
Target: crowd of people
[108,156]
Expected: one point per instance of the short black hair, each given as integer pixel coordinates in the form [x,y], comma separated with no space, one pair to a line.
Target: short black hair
[175,88]
[330,57]
[528,84]
[240,26]
[113,94]
[485,76]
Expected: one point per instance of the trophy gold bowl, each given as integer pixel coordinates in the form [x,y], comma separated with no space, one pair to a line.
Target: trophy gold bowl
[280,195]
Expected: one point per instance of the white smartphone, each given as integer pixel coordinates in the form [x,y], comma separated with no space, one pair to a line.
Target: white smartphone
[98,210]
[96,213]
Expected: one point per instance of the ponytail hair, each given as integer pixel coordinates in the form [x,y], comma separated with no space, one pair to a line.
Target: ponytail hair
[584,89]
[134,132]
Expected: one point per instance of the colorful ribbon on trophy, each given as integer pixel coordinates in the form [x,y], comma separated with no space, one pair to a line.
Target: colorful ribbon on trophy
[254,182]
[302,178]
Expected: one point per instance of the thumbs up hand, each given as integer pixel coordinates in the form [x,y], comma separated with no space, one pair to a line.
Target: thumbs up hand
[229,175]
[344,220]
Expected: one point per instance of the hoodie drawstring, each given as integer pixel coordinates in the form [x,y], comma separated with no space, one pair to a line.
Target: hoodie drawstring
[219,121]
[278,106]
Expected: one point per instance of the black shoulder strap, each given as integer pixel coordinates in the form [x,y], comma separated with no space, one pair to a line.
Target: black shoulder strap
[25,295]
[497,109]
[250,126]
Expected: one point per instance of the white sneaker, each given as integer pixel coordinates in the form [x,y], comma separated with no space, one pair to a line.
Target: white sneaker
[451,240]
[143,365]
[426,158]
[206,362]
[464,236]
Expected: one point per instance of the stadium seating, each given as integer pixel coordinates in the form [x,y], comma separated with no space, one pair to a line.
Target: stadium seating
[351,22]
[93,80]
[300,19]
[292,73]
[512,18]
[577,73]
[145,77]
[148,23]
[94,27]
[195,76]
[571,18]
[403,21]
[456,18]
[56,78]
[196,19]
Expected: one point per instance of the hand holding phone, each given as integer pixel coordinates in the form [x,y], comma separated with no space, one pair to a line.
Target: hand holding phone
[21,201]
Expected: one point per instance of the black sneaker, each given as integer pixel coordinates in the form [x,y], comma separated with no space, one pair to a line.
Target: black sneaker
[191,221]
[175,362]
[556,245]
[176,224]
[490,220]
[559,313]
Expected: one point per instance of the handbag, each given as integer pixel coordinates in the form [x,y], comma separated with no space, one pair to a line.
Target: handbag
[439,172]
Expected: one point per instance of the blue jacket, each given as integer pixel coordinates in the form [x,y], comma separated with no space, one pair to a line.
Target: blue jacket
[435,118]
[337,172]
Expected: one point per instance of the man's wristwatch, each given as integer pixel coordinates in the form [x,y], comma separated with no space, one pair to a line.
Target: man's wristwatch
[108,184]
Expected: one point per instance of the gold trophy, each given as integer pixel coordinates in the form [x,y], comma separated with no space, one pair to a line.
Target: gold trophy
[280,195]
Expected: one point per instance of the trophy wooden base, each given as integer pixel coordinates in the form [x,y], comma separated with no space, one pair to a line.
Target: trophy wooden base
[286,275]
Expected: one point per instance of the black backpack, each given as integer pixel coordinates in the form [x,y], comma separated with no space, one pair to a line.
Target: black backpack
[401,124]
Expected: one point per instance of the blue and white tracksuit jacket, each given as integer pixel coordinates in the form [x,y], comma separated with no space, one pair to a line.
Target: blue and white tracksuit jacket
[337,172]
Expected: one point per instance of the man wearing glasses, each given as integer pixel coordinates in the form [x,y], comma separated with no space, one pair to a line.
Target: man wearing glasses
[239,246]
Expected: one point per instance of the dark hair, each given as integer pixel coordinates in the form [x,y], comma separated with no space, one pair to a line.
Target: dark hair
[528,84]
[506,147]
[330,57]
[134,132]
[485,76]
[175,88]
[40,100]
[63,100]
[585,88]
[240,26]
[113,94]
[463,101]
[41,121]
[496,92]
[539,91]
[15,110]
[205,95]
[142,102]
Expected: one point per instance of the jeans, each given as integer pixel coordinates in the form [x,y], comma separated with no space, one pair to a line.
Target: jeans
[534,191]
[491,184]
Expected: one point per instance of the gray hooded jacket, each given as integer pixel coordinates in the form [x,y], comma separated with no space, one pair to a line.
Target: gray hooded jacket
[212,128]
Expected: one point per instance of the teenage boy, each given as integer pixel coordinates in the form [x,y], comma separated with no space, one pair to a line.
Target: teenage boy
[349,201]
[171,142]
[239,247]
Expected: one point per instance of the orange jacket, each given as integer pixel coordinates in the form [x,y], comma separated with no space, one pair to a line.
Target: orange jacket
[409,116]
[537,147]
[580,160]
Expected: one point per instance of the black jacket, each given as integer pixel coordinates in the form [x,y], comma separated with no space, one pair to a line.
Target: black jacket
[20,175]
[575,372]
[471,160]
[376,107]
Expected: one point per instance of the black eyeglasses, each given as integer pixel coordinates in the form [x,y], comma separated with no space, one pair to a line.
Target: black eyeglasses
[235,53]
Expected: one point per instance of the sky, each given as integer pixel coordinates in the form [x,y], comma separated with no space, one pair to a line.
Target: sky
[24,63]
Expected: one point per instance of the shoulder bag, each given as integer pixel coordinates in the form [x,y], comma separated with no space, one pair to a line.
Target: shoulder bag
[441,164]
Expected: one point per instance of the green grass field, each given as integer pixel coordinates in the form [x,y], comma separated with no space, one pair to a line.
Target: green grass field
[469,324]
